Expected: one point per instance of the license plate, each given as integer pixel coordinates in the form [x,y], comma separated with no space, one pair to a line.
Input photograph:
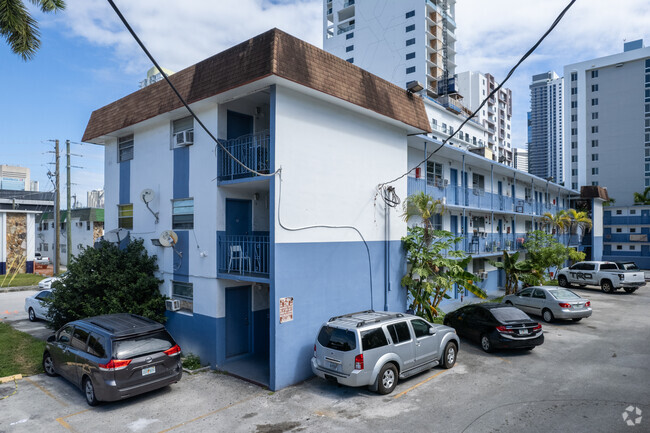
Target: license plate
[333,366]
[150,370]
[578,306]
[523,332]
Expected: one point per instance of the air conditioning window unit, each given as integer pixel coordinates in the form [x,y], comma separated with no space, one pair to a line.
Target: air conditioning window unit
[173,304]
[184,138]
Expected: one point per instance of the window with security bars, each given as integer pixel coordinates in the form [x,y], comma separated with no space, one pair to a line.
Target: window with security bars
[434,173]
[125,216]
[182,290]
[125,148]
[183,214]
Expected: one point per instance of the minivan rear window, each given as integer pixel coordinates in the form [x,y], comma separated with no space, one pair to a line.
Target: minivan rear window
[142,345]
[337,339]
[373,339]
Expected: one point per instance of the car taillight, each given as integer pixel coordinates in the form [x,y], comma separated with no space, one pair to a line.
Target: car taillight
[588,304]
[564,305]
[314,349]
[504,329]
[537,328]
[115,364]
[358,362]
[172,350]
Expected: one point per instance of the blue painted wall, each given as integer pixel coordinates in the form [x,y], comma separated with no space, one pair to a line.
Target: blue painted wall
[325,280]
[597,248]
[261,332]
[197,334]
[29,267]
[125,182]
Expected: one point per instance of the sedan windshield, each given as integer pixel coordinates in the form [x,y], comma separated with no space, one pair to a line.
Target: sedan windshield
[563,294]
[509,314]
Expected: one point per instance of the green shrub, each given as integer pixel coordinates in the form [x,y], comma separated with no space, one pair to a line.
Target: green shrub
[192,362]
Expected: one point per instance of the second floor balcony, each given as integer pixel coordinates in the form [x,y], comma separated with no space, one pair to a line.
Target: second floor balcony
[243,257]
[251,149]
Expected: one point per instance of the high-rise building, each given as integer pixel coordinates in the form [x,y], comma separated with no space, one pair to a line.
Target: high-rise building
[521,159]
[95,198]
[400,41]
[495,115]
[14,178]
[608,122]
[545,148]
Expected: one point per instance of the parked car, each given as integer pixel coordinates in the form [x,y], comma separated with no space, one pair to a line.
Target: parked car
[46,283]
[496,326]
[376,349]
[114,356]
[37,306]
[551,303]
[40,259]
[607,275]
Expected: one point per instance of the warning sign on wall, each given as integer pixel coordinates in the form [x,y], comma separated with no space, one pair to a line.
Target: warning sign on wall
[286,310]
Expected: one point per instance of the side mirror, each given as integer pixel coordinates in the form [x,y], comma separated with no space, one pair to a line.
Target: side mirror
[432,331]
[51,338]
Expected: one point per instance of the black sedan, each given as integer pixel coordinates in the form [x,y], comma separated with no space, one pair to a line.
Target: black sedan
[496,326]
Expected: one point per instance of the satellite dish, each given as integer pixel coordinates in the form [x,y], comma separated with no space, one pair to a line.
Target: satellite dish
[116,235]
[147,195]
[168,238]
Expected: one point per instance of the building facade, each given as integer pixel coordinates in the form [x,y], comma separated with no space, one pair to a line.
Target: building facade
[495,115]
[95,198]
[15,178]
[545,145]
[608,122]
[521,159]
[626,233]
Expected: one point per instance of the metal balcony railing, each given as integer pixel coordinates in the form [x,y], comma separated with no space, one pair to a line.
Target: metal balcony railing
[243,255]
[252,150]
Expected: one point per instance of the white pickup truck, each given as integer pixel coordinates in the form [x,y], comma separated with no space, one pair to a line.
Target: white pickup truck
[603,274]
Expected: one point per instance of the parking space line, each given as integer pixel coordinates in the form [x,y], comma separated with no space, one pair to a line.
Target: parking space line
[418,384]
[506,360]
[184,423]
[48,393]
[61,420]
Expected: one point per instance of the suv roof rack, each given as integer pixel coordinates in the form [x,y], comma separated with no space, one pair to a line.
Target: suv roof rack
[362,322]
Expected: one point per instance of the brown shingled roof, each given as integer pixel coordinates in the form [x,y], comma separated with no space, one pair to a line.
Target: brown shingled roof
[271,53]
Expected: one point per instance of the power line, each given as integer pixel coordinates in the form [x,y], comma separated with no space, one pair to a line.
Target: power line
[381,186]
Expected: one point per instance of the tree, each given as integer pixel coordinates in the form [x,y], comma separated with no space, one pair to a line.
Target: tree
[544,252]
[108,280]
[558,222]
[577,220]
[516,270]
[642,198]
[19,28]
[422,207]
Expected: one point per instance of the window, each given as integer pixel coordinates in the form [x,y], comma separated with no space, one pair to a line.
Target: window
[574,172]
[65,335]
[183,131]
[349,48]
[373,339]
[434,173]
[594,87]
[574,145]
[594,170]
[410,14]
[594,74]
[574,90]
[632,230]
[574,104]
[125,148]
[574,76]
[410,56]
[63,249]
[337,339]
[594,143]
[410,70]
[594,157]
[574,131]
[79,339]
[420,328]
[619,212]
[410,28]
[594,183]
[183,214]
[349,35]
[182,290]
[96,345]
[539,294]
[594,115]
[125,216]
[574,117]
[87,225]
[574,158]
[619,230]
[594,101]
[619,247]
[410,42]
[399,332]
[594,129]
[632,211]
[478,181]
[350,60]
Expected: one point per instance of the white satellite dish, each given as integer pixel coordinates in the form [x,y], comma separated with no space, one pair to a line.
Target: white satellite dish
[168,238]
[147,195]
[116,235]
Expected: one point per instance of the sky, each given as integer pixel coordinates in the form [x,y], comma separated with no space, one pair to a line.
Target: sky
[87,59]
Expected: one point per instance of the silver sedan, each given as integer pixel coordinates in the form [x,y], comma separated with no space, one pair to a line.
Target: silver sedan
[36,305]
[551,302]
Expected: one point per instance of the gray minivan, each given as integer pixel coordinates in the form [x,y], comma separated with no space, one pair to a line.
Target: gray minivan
[375,348]
[114,356]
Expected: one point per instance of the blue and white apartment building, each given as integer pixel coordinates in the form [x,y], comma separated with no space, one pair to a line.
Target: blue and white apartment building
[254,268]
[626,233]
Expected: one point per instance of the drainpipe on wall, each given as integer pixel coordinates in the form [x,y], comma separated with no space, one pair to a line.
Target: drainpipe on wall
[387,255]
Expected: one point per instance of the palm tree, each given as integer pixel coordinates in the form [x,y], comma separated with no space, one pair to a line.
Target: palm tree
[558,222]
[424,207]
[578,220]
[19,28]
[644,198]
[514,270]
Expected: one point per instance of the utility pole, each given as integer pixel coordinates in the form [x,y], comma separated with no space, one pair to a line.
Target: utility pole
[57,214]
[69,212]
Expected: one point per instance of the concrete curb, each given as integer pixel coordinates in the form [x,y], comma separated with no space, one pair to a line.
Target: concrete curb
[17,289]
[10,378]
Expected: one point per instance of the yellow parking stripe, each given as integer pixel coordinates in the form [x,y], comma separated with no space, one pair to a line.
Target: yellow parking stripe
[62,403]
[61,420]
[418,384]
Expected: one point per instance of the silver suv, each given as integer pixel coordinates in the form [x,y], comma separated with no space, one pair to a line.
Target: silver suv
[374,349]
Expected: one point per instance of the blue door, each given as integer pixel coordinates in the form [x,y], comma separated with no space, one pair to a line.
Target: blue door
[238,217]
[465,191]
[500,192]
[453,183]
[238,124]
[238,329]
[453,226]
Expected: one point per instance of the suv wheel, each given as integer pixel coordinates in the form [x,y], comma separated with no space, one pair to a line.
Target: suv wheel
[449,356]
[562,281]
[48,365]
[606,286]
[387,379]
[89,392]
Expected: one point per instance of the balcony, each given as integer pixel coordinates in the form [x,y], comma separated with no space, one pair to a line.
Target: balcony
[252,150]
[243,256]
[345,29]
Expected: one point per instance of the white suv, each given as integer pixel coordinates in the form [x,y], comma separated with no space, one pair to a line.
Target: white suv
[374,349]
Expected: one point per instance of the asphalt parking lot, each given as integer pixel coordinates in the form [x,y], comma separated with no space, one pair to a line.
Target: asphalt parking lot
[582,379]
